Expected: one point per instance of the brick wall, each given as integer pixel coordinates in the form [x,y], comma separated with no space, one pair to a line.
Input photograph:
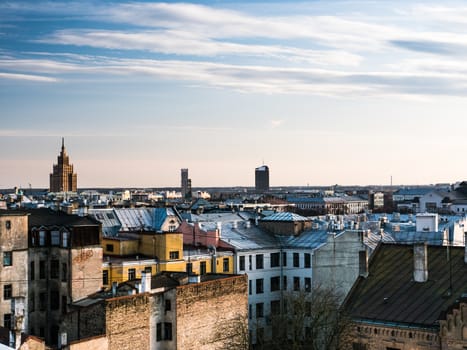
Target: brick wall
[208,311]
[128,322]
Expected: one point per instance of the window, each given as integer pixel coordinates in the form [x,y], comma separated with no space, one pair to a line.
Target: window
[42,301]
[259,286]
[167,331]
[284,282]
[105,277]
[8,224]
[131,274]
[148,269]
[250,311]
[296,260]
[296,283]
[259,310]
[54,300]
[55,238]
[226,264]
[307,257]
[42,269]
[32,302]
[65,239]
[54,269]
[275,307]
[307,284]
[250,286]
[64,272]
[168,305]
[275,283]
[284,258]
[109,248]
[173,255]
[159,332]
[250,262]
[241,263]
[64,303]
[7,258]
[275,259]
[259,335]
[7,321]
[32,272]
[42,238]
[259,261]
[308,308]
[7,291]
[189,268]
[202,268]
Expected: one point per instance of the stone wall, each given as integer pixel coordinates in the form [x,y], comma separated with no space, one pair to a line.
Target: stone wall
[371,337]
[128,322]
[209,313]
[454,328]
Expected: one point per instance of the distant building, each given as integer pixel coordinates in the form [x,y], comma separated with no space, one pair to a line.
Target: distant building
[186,184]
[62,178]
[262,178]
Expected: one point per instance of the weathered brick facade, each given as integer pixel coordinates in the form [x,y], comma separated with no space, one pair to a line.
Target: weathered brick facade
[205,310]
[128,322]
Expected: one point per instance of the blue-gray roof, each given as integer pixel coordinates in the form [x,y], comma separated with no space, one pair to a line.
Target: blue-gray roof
[289,217]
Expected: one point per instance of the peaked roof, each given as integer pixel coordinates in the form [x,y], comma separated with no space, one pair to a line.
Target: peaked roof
[390,295]
[288,217]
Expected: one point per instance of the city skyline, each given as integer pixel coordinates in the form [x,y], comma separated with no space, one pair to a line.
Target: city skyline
[346,92]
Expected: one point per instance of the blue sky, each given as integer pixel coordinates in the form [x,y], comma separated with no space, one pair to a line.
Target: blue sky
[324,92]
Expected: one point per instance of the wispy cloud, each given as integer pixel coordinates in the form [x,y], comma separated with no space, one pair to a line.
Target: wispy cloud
[27,77]
[276,123]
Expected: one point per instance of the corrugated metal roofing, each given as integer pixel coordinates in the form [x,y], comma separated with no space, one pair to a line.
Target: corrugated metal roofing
[289,217]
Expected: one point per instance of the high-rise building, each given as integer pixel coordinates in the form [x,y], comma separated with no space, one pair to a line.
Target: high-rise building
[262,178]
[186,184]
[62,178]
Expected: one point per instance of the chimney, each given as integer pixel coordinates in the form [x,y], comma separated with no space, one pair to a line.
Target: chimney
[363,263]
[420,259]
[219,228]
[145,281]
[114,288]
[465,249]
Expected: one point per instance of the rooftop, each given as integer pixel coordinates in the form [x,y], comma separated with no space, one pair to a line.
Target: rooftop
[390,295]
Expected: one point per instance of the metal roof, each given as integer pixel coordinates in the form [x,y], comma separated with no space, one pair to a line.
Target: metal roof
[289,217]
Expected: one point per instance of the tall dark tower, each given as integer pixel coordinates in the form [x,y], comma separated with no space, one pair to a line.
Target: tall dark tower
[185,184]
[262,178]
[62,178]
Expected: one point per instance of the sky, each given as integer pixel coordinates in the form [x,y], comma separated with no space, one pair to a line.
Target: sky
[323,92]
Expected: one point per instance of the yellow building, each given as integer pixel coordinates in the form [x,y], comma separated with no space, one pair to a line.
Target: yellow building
[128,254]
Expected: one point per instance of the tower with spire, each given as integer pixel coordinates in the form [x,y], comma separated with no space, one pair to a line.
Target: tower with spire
[62,178]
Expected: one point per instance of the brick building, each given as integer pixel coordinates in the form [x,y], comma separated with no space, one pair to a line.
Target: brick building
[211,311]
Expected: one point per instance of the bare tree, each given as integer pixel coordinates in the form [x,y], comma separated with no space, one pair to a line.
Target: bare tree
[308,320]
[233,334]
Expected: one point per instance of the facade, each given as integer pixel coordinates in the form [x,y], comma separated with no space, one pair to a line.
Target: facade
[63,179]
[14,271]
[262,179]
[168,311]
[65,265]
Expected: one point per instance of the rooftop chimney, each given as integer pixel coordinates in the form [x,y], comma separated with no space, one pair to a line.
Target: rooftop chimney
[465,249]
[145,281]
[420,260]
[114,288]
[363,263]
